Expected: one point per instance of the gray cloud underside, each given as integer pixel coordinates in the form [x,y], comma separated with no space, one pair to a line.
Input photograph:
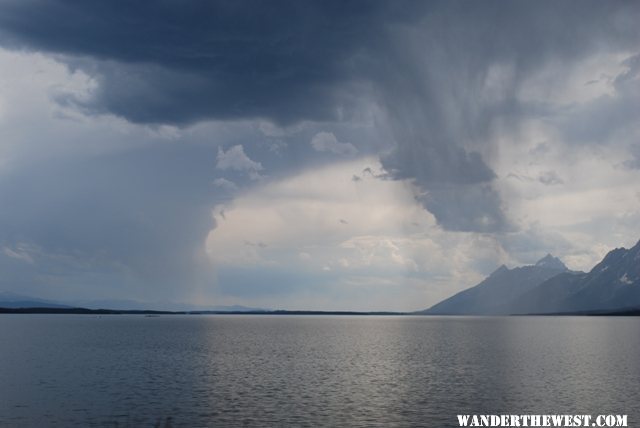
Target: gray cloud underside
[427,62]
[439,87]
[181,62]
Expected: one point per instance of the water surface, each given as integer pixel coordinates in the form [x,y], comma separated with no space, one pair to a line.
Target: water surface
[127,370]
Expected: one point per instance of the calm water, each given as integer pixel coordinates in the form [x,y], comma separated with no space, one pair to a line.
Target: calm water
[68,370]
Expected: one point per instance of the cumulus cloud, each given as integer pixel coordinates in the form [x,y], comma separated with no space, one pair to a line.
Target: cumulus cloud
[316,260]
[236,159]
[327,142]
[225,184]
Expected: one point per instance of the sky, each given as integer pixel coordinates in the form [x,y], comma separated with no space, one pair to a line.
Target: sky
[328,155]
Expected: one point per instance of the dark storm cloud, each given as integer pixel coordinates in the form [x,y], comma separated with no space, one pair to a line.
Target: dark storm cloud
[470,207]
[184,61]
[447,73]
[452,81]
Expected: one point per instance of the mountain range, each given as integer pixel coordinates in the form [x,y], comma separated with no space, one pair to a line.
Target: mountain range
[15,301]
[549,287]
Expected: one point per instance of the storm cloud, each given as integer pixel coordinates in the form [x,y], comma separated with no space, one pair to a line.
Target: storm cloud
[181,62]
[447,73]
[441,85]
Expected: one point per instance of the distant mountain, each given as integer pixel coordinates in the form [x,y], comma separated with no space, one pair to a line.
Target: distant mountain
[550,262]
[235,308]
[496,294]
[613,284]
[110,304]
[127,305]
[12,300]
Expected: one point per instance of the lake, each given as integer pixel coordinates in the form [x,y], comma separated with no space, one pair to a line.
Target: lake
[130,370]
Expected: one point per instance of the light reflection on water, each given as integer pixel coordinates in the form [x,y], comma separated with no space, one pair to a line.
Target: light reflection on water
[75,370]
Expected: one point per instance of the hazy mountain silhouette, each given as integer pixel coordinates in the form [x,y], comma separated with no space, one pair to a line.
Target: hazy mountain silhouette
[549,287]
[13,300]
[613,284]
[496,294]
[165,306]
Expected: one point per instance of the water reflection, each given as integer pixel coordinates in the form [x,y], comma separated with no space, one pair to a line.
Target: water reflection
[311,371]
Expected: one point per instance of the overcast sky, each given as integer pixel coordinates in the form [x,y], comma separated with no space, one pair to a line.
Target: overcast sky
[361,155]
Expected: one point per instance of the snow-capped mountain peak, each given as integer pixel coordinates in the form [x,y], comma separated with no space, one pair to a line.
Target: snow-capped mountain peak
[551,262]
